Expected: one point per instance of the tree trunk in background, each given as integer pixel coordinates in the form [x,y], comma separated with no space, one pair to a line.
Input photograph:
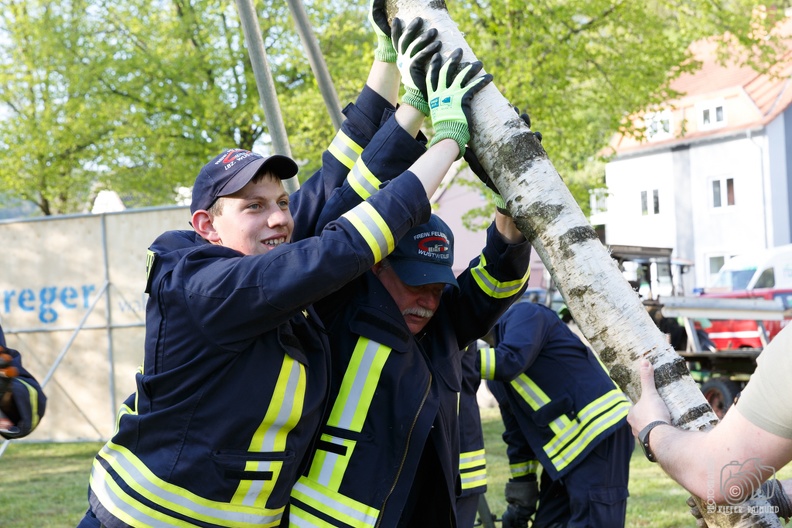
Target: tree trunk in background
[607,310]
[317,62]
[265,85]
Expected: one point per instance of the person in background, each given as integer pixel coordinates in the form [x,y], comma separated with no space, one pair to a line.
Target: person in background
[560,409]
[22,400]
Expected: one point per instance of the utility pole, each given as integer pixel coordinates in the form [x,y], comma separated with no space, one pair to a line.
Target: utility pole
[265,85]
[315,59]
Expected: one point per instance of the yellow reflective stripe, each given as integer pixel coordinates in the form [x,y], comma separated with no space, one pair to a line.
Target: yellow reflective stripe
[362,180]
[521,469]
[350,409]
[372,228]
[473,479]
[357,388]
[536,398]
[328,468]
[487,360]
[115,501]
[33,397]
[493,287]
[168,496]
[283,414]
[344,149]
[473,469]
[595,418]
[333,504]
[530,392]
[471,459]
[123,411]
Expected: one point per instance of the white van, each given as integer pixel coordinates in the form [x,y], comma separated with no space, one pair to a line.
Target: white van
[770,268]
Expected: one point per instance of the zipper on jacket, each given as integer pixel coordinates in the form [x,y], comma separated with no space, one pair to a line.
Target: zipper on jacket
[406,449]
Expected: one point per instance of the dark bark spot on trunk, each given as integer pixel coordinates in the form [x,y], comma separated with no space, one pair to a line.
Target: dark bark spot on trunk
[695,413]
[608,356]
[574,236]
[438,4]
[621,375]
[670,372]
[519,151]
[578,291]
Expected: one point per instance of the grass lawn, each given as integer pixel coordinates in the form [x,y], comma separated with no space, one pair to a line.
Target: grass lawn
[44,484]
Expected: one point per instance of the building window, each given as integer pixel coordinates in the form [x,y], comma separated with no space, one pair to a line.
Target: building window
[658,125]
[722,192]
[598,200]
[646,207]
[715,264]
[711,114]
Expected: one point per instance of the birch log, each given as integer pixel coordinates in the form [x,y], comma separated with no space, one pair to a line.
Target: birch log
[607,310]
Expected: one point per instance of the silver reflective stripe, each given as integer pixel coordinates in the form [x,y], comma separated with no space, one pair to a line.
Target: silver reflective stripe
[534,399]
[479,478]
[520,469]
[467,459]
[593,429]
[373,228]
[332,506]
[352,403]
[280,427]
[344,149]
[329,463]
[362,180]
[583,419]
[493,287]
[103,485]
[358,385]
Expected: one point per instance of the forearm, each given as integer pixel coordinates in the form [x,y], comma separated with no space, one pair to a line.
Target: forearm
[410,119]
[433,166]
[508,229]
[685,456]
[711,464]
[384,78]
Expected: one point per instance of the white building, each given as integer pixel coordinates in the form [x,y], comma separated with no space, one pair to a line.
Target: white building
[713,177]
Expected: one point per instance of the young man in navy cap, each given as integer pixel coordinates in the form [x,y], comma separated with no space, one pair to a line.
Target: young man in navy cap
[22,401]
[234,381]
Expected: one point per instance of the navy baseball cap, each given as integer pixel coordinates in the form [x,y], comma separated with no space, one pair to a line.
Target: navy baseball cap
[233,169]
[425,255]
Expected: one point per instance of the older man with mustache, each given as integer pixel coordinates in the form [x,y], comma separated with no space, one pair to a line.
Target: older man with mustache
[389,448]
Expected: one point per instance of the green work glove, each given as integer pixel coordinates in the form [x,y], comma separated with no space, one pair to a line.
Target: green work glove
[378,18]
[451,90]
[413,51]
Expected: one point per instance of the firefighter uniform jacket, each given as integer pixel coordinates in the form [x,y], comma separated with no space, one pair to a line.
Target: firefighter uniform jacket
[391,390]
[29,398]
[559,391]
[472,461]
[234,381]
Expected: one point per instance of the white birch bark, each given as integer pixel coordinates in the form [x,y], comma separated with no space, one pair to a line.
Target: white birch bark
[607,310]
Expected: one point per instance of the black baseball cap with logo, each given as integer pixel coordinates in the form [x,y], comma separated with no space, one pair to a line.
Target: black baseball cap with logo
[231,170]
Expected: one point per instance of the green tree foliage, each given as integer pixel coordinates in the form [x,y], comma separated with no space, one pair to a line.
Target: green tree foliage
[581,67]
[136,95]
